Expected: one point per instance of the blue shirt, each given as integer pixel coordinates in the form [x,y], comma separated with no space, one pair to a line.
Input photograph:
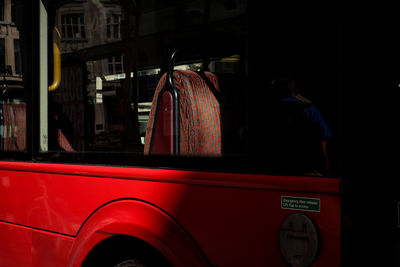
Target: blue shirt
[315,116]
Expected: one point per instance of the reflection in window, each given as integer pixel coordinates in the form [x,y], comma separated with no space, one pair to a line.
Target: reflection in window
[114,26]
[115,65]
[112,61]
[17,57]
[12,99]
[2,55]
[13,12]
[1,10]
[73,26]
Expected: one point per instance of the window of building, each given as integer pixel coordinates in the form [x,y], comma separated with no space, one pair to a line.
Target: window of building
[2,55]
[17,56]
[73,26]
[114,26]
[115,64]
[1,10]
[13,12]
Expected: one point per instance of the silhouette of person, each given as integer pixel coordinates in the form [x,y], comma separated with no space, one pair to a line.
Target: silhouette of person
[301,131]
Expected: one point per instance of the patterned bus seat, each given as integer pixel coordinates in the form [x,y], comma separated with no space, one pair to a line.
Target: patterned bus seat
[14,126]
[200,123]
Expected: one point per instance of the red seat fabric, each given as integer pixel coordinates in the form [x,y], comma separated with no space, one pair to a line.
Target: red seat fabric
[63,142]
[14,126]
[200,124]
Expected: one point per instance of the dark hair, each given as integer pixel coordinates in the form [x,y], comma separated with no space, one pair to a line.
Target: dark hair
[281,86]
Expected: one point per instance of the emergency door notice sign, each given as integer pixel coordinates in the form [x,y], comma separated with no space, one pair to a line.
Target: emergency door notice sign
[301,203]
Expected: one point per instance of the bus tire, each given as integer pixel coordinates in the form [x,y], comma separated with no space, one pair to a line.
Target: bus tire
[131,263]
[124,251]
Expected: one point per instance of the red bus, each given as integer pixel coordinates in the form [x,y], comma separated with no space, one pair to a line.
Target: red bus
[170,133]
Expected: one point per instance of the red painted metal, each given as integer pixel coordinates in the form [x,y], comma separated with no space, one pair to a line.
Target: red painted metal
[191,217]
[163,138]
[16,243]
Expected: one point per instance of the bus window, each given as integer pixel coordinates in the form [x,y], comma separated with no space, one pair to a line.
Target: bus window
[113,57]
[116,64]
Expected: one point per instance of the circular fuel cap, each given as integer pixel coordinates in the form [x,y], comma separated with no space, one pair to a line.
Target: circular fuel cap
[298,240]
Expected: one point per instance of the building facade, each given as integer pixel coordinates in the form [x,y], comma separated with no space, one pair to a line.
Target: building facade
[10,53]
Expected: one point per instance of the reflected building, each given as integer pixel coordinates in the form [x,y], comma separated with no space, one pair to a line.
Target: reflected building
[112,57]
[12,100]
[88,28]
[87,24]
[94,30]
[10,53]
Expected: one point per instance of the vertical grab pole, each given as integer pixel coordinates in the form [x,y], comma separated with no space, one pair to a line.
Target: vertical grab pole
[175,96]
[43,70]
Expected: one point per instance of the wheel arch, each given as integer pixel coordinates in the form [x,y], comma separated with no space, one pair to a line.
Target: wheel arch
[120,248]
[143,221]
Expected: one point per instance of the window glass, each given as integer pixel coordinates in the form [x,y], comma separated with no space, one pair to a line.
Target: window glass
[13,11]
[113,59]
[13,100]
[73,27]
[237,91]
[17,57]
[2,55]
[114,26]
[298,76]
[1,10]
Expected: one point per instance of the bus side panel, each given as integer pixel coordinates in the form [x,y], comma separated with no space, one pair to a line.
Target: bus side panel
[231,221]
[50,249]
[15,245]
[143,221]
[234,218]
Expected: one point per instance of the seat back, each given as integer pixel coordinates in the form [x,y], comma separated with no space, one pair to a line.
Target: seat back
[14,126]
[199,116]
[63,142]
